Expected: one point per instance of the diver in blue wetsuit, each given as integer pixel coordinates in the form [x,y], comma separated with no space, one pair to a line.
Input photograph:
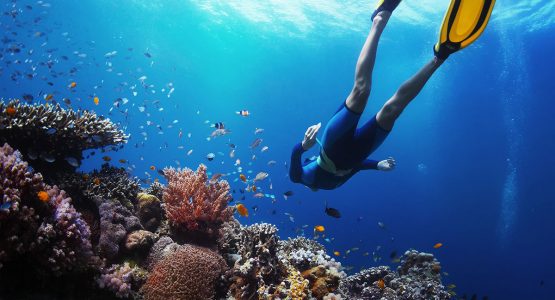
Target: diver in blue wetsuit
[344,147]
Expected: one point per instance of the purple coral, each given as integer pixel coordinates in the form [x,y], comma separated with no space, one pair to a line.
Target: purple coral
[116,222]
[53,234]
[121,279]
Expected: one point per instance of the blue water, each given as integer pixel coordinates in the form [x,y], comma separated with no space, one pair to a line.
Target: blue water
[474,150]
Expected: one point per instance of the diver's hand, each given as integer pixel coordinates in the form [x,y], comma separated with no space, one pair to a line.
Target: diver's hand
[387,164]
[310,136]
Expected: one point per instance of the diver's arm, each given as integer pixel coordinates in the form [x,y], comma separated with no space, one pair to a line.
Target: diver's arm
[296,167]
[382,165]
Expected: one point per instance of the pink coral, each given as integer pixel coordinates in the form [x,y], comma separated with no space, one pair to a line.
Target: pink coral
[188,273]
[194,204]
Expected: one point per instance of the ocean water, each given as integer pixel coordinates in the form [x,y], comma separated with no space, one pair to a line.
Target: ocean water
[474,149]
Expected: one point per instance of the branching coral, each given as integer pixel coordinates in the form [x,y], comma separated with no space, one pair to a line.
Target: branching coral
[123,280]
[194,204]
[53,136]
[188,273]
[50,230]
[111,183]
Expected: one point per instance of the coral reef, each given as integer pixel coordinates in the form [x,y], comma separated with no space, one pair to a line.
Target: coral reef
[38,222]
[163,247]
[192,204]
[53,137]
[112,183]
[188,273]
[123,280]
[156,189]
[149,211]
[417,278]
[116,221]
[139,241]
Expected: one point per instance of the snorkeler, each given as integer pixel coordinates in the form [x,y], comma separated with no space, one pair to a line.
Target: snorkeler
[344,147]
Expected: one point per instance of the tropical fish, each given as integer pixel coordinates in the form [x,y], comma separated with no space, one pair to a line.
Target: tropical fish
[106,158]
[271,163]
[123,161]
[189,152]
[210,156]
[242,210]
[261,176]
[332,212]
[381,284]
[243,177]
[72,85]
[43,196]
[11,111]
[319,228]
[264,149]
[258,130]
[48,97]
[255,143]
[336,253]
[72,161]
[287,194]
[290,217]
[381,225]
[152,168]
[244,113]
[218,125]
[258,195]
[219,132]
[96,100]
[438,245]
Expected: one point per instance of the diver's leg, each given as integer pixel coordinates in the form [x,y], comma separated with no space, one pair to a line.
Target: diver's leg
[358,97]
[393,108]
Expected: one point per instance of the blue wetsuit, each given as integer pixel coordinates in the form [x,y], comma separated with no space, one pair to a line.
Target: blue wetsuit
[345,146]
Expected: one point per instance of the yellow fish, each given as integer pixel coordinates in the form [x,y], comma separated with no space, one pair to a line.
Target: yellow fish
[319,228]
[242,210]
[336,253]
[243,177]
[72,85]
[438,245]
[96,100]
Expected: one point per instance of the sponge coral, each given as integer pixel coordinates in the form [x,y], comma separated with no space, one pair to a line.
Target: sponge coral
[188,273]
[194,204]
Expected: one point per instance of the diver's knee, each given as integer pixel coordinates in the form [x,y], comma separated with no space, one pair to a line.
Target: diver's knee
[391,110]
[361,90]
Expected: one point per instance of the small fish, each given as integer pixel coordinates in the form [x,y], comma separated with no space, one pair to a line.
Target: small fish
[381,284]
[219,132]
[451,286]
[72,161]
[11,111]
[123,161]
[242,210]
[264,149]
[258,195]
[290,217]
[96,100]
[438,245]
[258,130]
[152,168]
[381,225]
[48,97]
[216,176]
[243,177]
[148,55]
[332,212]
[72,85]
[210,156]
[319,228]
[336,253]
[244,113]
[287,194]
[255,143]
[106,158]
[189,152]
[218,125]
[232,153]
[261,176]
[271,163]
[43,196]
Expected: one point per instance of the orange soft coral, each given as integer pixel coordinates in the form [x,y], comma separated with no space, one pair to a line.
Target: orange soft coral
[192,203]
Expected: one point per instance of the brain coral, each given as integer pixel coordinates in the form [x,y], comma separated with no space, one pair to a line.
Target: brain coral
[189,273]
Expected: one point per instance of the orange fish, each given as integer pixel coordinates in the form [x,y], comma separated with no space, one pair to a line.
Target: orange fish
[319,228]
[152,168]
[11,111]
[336,253]
[123,161]
[48,97]
[43,196]
[244,113]
[381,284]
[96,100]
[106,158]
[96,181]
[72,85]
[243,177]
[254,188]
[438,245]
[242,210]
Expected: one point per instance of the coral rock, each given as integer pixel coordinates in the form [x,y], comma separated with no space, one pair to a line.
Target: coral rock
[139,240]
[149,211]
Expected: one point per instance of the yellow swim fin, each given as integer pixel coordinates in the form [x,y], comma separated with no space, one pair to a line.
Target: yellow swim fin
[463,23]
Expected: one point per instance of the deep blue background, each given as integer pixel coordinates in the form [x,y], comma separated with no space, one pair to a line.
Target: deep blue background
[486,113]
